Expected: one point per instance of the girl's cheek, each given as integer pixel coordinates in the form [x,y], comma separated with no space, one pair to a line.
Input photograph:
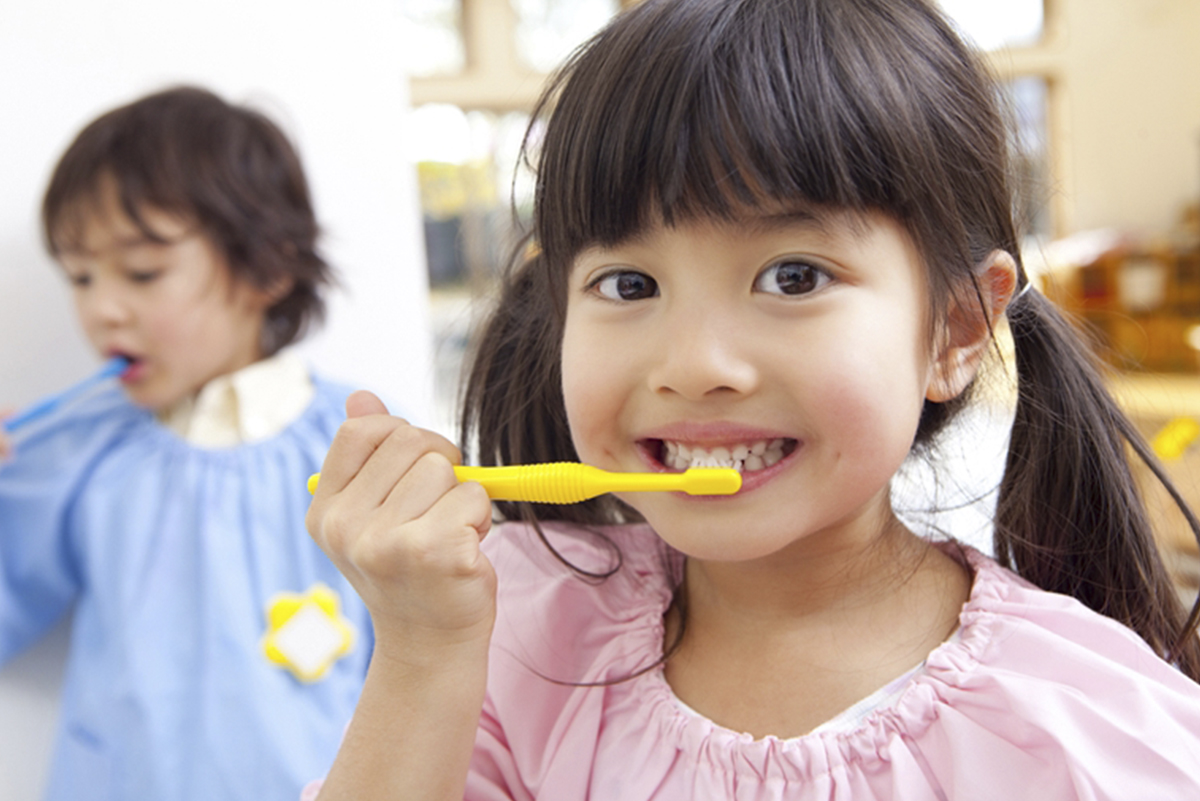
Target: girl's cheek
[579,419]
[592,413]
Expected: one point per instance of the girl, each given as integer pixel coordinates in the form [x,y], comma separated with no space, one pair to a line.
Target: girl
[167,510]
[774,234]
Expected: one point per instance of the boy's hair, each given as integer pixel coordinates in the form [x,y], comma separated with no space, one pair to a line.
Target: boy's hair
[685,109]
[186,151]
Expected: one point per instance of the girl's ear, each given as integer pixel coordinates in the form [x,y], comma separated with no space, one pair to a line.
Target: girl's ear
[968,327]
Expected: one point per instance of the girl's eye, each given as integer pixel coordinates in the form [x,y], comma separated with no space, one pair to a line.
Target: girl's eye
[791,278]
[79,280]
[626,285]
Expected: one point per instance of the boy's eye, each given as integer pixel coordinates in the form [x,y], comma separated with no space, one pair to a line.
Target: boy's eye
[626,285]
[791,278]
[143,276]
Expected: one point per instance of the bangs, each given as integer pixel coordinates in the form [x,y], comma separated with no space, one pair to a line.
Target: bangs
[718,107]
[171,151]
[67,218]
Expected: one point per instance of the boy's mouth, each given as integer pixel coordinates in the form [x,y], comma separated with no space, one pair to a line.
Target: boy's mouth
[132,369]
[745,457]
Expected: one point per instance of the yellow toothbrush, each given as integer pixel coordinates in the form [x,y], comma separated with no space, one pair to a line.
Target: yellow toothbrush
[568,482]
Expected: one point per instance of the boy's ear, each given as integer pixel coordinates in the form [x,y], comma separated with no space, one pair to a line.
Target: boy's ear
[968,327]
[277,290]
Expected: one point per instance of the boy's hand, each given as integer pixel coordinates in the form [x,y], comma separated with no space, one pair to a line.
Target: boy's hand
[391,515]
[6,443]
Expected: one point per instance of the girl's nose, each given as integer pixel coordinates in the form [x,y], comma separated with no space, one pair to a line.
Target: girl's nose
[701,356]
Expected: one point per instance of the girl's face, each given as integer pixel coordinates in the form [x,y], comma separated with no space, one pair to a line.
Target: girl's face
[173,309]
[797,346]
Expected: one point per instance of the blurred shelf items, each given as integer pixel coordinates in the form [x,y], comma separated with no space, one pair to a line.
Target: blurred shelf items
[1140,300]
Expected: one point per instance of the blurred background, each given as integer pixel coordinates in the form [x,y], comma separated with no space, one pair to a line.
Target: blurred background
[410,113]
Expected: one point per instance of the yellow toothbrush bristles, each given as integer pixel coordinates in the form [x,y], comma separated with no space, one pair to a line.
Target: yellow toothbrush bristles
[568,482]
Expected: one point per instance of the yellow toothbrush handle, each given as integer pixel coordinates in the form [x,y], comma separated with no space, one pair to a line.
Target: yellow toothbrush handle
[568,482]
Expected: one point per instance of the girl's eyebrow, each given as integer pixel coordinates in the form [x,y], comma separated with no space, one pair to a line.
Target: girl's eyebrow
[757,222]
[793,218]
[826,223]
[847,225]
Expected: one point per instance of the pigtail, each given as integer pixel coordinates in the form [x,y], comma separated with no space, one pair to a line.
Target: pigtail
[512,408]
[1070,517]
[512,398]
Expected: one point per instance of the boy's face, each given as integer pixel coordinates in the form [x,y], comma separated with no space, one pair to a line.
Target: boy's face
[797,346]
[173,309]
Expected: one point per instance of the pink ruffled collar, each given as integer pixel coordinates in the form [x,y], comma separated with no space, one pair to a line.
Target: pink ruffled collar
[906,716]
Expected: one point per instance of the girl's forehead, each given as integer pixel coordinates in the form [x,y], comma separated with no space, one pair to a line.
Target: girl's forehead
[762,219]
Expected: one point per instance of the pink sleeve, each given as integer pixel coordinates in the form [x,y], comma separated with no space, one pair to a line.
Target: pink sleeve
[1045,688]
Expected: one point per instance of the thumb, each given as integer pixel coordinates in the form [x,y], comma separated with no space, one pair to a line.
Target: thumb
[363,403]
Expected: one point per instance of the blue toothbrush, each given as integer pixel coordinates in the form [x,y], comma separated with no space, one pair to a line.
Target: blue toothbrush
[112,368]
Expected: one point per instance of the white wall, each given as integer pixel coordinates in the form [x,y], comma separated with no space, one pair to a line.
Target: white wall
[1131,113]
[331,74]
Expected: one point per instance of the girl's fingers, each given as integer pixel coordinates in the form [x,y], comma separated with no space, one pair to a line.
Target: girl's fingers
[363,403]
[356,440]
[429,483]
[424,483]
[442,584]
[482,505]
[367,425]
[391,467]
[442,542]
[380,472]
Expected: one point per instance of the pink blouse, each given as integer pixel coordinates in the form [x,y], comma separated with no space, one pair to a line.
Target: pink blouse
[1037,697]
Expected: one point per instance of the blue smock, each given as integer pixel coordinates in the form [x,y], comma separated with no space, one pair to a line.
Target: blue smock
[169,554]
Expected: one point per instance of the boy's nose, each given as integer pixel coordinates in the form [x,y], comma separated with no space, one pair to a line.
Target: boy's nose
[104,305]
[701,355]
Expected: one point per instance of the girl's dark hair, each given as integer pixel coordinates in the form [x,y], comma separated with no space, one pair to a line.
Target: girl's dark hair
[186,151]
[685,109]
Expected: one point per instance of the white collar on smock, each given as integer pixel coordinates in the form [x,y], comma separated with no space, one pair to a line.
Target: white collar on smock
[249,405]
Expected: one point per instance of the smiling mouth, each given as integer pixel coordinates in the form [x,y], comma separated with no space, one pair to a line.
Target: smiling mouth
[745,457]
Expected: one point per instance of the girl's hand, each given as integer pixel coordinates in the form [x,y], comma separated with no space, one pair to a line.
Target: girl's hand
[394,519]
[391,515]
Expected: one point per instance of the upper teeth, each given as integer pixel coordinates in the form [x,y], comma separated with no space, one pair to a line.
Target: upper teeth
[743,457]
